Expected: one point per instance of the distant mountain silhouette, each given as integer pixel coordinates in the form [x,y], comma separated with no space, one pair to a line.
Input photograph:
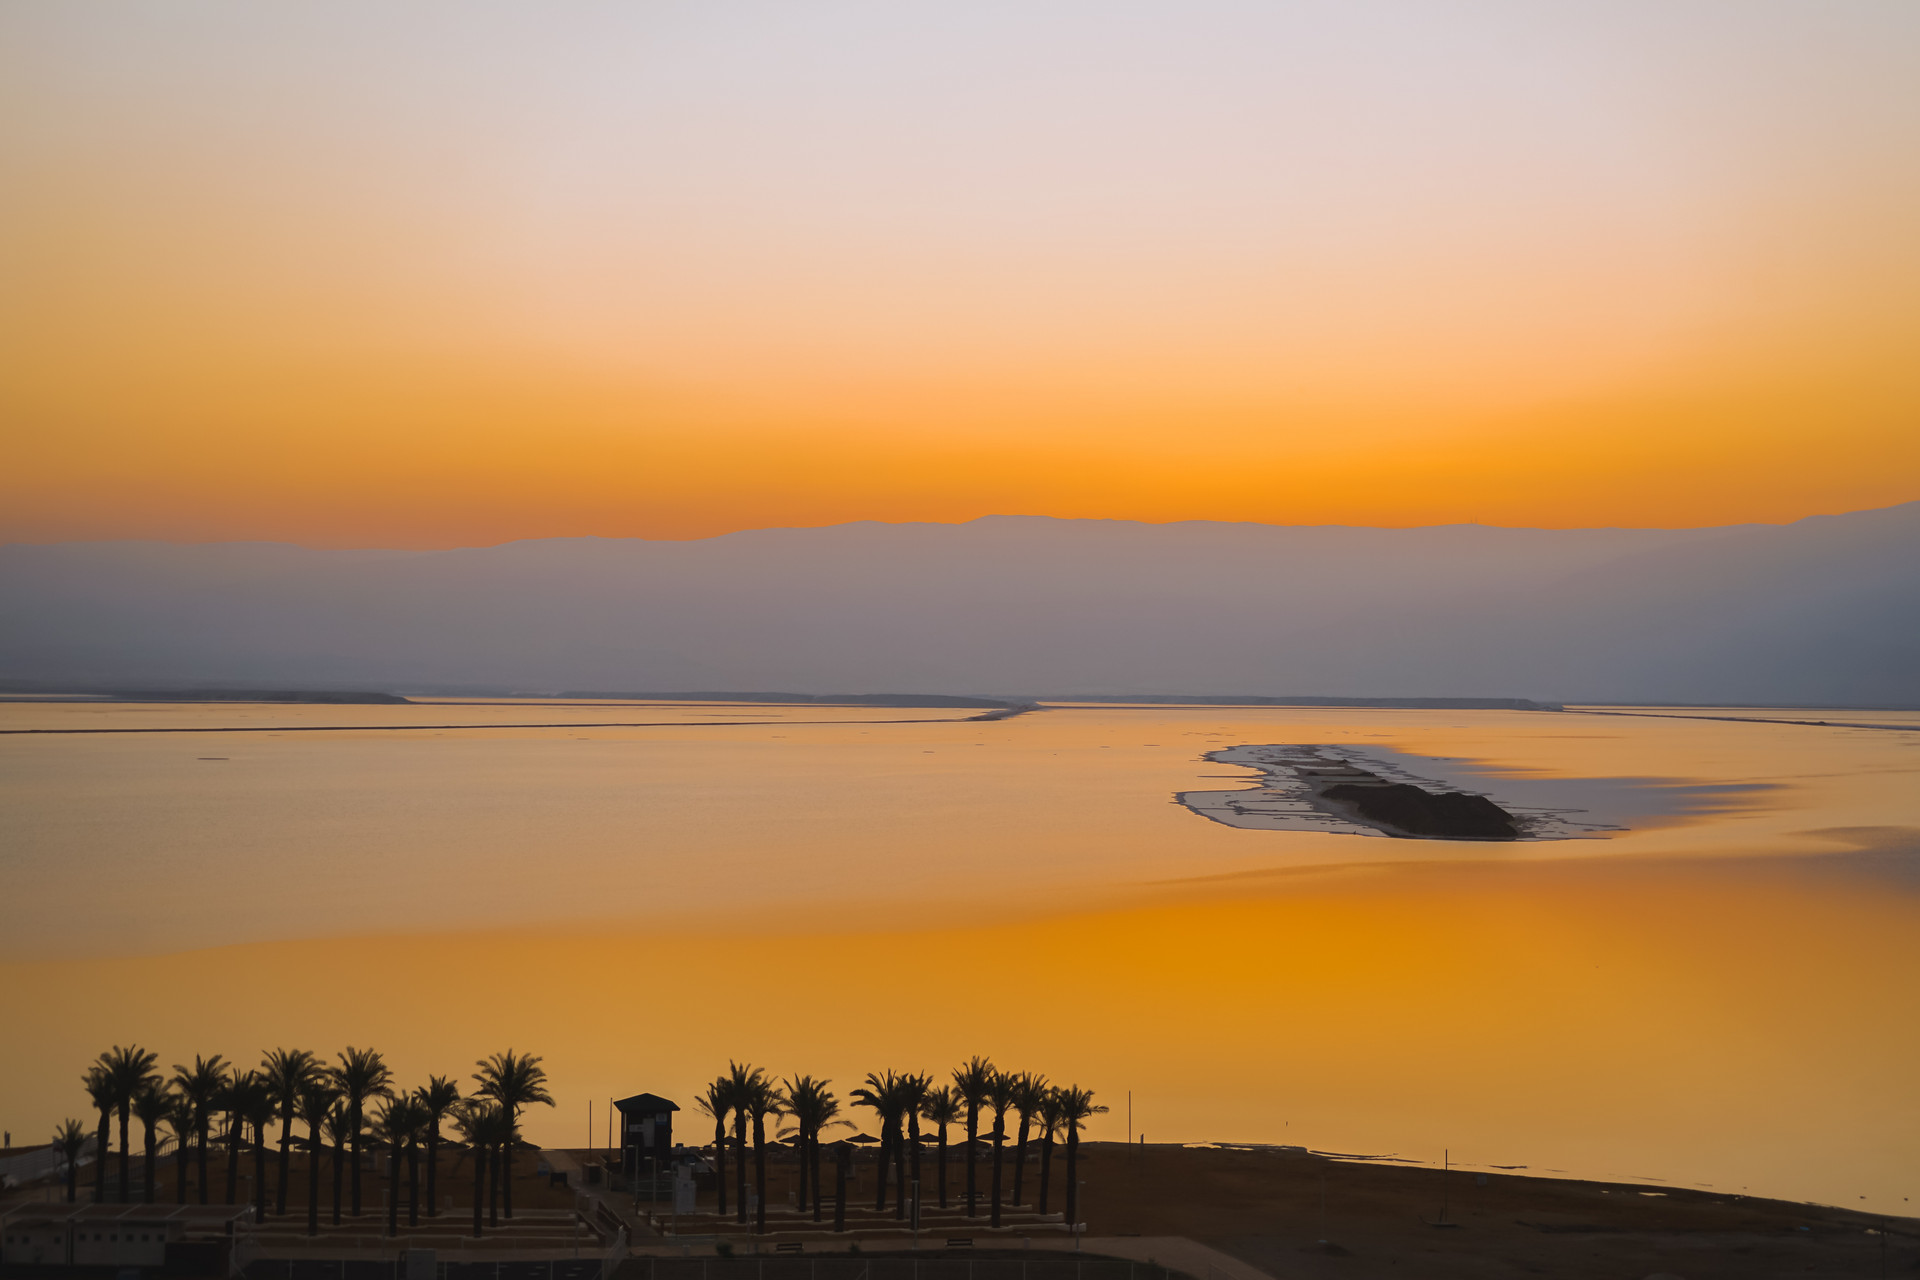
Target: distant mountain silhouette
[1825,610]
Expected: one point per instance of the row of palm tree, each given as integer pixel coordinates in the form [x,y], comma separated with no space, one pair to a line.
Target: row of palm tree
[342,1106]
[901,1101]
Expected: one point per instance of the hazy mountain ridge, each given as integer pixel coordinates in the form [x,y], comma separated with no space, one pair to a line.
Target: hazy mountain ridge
[1823,610]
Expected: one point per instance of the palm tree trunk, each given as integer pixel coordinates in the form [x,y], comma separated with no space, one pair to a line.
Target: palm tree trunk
[913,1140]
[999,1152]
[720,1164]
[813,1151]
[233,1156]
[840,1188]
[506,1166]
[206,1134]
[801,1149]
[355,1120]
[413,1182]
[393,1187]
[479,1186]
[759,1175]
[73,1177]
[1020,1160]
[740,1165]
[260,1172]
[100,1147]
[126,1158]
[1073,1171]
[493,1187]
[942,1175]
[149,1168]
[339,1169]
[880,1169]
[286,1161]
[1046,1168]
[180,1172]
[900,1187]
[973,1131]
[433,1172]
[313,1177]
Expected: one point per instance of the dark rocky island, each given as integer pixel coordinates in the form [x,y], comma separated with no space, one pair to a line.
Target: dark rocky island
[1403,809]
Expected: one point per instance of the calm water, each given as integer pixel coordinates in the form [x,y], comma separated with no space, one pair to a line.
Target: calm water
[1711,982]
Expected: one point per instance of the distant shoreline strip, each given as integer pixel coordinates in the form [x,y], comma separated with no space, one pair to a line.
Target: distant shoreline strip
[416,728]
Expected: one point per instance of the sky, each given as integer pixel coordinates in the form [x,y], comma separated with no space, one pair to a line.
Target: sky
[450,274]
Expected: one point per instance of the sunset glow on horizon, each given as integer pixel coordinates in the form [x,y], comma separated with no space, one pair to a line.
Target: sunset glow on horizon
[456,275]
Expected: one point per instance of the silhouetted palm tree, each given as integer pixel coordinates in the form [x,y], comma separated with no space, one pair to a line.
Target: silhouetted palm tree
[315,1105]
[972,1083]
[258,1110]
[514,1081]
[885,1096]
[718,1102]
[1076,1104]
[742,1080]
[1050,1118]
[813,1107]
[1000,1095]
[339,1135]
[181,1119]
[201,1084]
[100,1089]
[913,1091]
[71,1139]
[393,1124]
[150,1107]
[361,1075]
[941,1107]
[437,1097]
[231,1101]
[130,1069]
[285,1073]
[470,1120]
[1027,1093]
[765,1100]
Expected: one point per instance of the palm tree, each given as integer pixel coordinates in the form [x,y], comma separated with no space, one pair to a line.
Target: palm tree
[878,1098]
[1050,1117]
[742,1080]
[765,1100]
[71,1139]
[1028,1090]
[437,1098]
[941,1107]
[130,1069]
[717,1102]
[258,1110]
[396,1123]
[181,1119]
[1076,1104]
[913,1091]
[200,1086]
[361,1075]
[232,1101]
[151,1106]
[972,1083]
[514,1081]
[286,1072]
[339,1134]
[100,1091]
[483,1124]
[1000,1095]
[813,1108]
[315,1106]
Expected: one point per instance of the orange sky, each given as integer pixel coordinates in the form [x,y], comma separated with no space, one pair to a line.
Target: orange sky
[334,275]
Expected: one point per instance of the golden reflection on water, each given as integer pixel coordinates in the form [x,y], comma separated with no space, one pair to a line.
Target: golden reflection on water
[898,896]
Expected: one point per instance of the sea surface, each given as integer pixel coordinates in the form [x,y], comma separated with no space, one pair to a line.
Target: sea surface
[1701,969]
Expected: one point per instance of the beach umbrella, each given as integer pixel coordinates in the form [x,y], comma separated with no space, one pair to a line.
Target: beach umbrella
[861,1138]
